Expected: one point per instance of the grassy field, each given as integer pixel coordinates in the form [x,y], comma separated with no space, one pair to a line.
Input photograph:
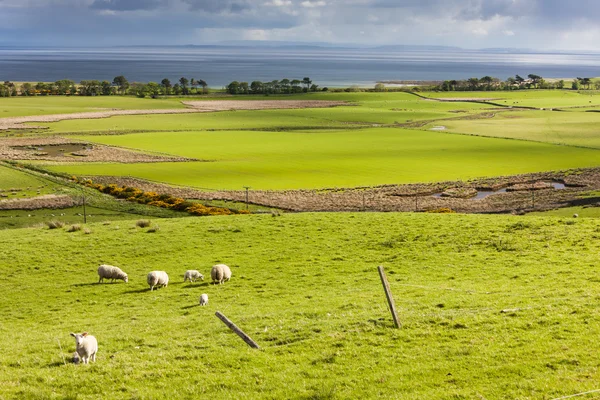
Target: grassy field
[305,287]
[337,158]
[531,98]
[16,185]
[565,128]
[43,105]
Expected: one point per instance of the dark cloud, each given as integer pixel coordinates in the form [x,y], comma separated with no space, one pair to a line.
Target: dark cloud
[220,6]
[126,5]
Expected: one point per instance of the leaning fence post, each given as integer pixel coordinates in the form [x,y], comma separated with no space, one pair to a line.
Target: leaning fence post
[237,330]
[388,294]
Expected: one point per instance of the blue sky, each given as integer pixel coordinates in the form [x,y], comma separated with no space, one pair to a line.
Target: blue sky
[539,24]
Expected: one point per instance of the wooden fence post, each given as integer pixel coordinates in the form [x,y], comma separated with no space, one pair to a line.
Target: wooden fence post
[237,330]
[388,294]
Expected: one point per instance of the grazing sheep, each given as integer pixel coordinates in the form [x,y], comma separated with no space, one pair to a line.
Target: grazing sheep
[575,215]
[203,299]
[192,275]
[86,346]
[220,273]
[158,278]
[110,272]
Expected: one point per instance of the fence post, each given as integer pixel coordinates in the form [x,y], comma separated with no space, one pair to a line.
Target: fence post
[237,330]
[388,294]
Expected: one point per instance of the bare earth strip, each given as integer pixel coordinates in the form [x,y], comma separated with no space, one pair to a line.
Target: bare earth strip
[92,153]
[405,197]
[34,203]
[194,107]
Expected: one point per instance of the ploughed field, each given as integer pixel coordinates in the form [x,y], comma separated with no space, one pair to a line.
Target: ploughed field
[492,307]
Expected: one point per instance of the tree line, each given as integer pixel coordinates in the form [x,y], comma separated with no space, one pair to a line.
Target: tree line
[533,81]
[119,86]
[284,86]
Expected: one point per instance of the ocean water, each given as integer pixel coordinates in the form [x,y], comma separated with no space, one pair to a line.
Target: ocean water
[326,67]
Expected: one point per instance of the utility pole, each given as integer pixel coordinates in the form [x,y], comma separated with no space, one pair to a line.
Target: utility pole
[247,188]
[84,213]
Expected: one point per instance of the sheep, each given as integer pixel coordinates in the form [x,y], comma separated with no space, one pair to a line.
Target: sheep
[220,273]
[192,275]
[203,299]
[86,346]
[110,272]
[575,215]
[158,278]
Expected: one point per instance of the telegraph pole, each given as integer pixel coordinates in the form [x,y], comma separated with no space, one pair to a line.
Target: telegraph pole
[247,188]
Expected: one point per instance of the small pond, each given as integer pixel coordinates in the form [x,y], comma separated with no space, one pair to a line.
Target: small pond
[55,150]
[482,194]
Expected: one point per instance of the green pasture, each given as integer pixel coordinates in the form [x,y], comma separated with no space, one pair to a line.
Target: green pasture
[10,219]
[530,98]
[565,128]
[334,158]
[17,184]
[44,105]
[582,212]
[493,307]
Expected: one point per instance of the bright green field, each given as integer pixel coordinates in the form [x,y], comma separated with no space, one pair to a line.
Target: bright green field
[16,184]
[42,105]
[306,288]
[567,128]
[316,159]
[531,98]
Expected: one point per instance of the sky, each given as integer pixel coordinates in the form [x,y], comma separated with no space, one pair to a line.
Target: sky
[532,24]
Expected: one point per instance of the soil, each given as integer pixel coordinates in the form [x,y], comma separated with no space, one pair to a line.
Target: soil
[413,197]
[34,203]
[17,149]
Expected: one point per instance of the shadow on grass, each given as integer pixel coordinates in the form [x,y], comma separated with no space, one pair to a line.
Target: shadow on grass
[195,285]
[96,283]
[137,291]
[192,306]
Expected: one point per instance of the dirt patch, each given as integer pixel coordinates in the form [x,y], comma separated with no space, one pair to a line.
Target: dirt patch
[414,197]
[193,107]
[34,203]
[27,149]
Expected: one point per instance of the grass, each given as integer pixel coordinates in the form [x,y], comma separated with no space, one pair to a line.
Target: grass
[335,158]
[17,185]
[10,219]
[306,288]
[531,98]
[565,128]
[43,105]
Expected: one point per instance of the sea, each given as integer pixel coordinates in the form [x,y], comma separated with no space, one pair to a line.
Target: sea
[327,67]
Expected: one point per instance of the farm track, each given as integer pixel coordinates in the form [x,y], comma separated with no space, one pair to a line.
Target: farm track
[406,198]
[193,107]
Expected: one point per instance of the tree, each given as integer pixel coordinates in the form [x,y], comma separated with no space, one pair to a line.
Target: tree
[183,82]
[153,89]
[166,84]
[535,79]
[257,87]
[306,82]
[560,84]
[233,87]
[177,88]
[63,86]
[243,89]
[576,85]
[296,88]
[380,87]
[487,80]
[194,84]
[313,88]
[285,85]
[473,83]
[204,85]
[27,89]
[122,83]
[106,88]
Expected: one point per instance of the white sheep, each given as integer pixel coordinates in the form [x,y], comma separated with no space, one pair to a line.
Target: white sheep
[111,272]
[575,215]
[192,275]
[220,273]
[203,299]
[86,346]
[158,278]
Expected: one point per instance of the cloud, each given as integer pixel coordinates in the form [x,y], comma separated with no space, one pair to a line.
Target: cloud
[219,6]
[126,5]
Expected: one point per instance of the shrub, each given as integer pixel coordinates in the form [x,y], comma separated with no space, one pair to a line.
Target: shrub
[54,224]
[74,228]
[143,223]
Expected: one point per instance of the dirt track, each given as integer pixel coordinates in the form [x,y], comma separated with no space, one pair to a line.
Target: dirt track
[193,107]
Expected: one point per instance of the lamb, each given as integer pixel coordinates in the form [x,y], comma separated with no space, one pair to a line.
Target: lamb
[158,278]
[110,272]
[86,346]
[203,299]
[220,273]
[192,275]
